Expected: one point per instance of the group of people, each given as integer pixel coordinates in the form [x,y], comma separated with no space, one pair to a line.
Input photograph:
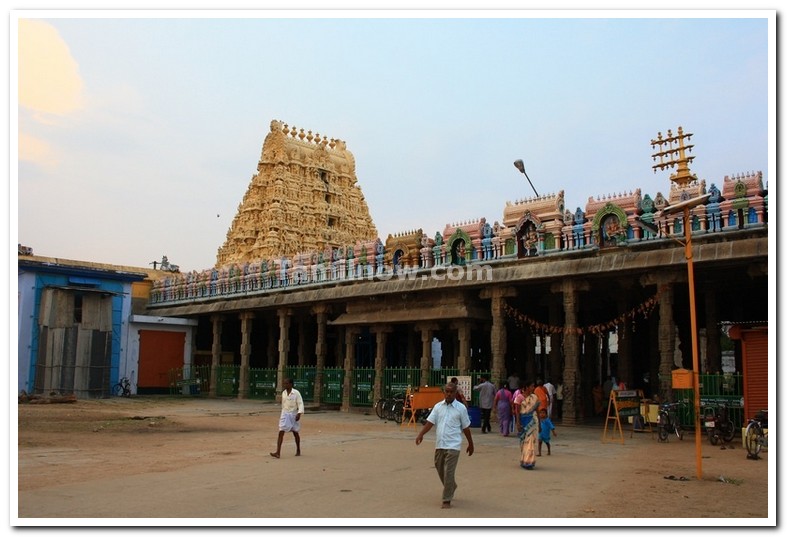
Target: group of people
[530,405]
[528,410]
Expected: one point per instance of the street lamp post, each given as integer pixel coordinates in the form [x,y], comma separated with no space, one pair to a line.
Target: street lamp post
[521,167]
[671,153]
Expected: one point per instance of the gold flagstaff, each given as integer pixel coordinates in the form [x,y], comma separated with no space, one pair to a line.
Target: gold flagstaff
[672,152]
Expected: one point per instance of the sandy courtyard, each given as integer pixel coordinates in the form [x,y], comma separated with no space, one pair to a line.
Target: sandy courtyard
[179,458]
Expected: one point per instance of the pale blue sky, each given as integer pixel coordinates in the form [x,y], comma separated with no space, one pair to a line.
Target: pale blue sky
[173,114]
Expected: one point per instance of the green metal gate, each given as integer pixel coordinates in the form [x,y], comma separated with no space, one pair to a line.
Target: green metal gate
[441,377]
[362,387]
[397,380]
[302,380]
[194,380]
[227,380]
[332,385]
[262,383]
[726,388]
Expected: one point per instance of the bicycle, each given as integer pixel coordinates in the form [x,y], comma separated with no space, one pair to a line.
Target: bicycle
[394,407]
[122,388]
[390,408]
[379,407]
[755,438]
[668,422]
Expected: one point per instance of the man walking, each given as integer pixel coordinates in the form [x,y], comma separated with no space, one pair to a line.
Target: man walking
[486,400]
[290,419]
[451,418]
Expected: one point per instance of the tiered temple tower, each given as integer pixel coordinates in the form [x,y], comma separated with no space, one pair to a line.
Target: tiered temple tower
[304,198]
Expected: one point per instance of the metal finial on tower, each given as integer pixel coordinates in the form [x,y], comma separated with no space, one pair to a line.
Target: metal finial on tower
[672,151]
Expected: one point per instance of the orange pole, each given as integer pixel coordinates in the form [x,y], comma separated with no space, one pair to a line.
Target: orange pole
[694,351]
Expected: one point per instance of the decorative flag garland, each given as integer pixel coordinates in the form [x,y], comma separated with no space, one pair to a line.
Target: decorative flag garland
[644,309]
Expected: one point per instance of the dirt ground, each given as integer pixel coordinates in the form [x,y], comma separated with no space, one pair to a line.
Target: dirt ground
[149,459]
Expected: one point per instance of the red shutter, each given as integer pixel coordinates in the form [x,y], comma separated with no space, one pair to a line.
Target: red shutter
[159,351]
[755,371]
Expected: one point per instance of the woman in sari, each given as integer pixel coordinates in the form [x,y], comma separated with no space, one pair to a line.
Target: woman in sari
[502,406]
[526,404]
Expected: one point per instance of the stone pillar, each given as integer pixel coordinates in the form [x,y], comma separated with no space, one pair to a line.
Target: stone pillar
[713,345]
[246,319]
[666,340]
[350,334]
[463,331]
[665,283]
[498,345]
[285,317]
[320,349]
[427,333]
[216,354]
[381,331]
[571,374]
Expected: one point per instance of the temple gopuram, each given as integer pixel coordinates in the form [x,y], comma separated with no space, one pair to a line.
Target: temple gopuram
[303,287]
[304,198]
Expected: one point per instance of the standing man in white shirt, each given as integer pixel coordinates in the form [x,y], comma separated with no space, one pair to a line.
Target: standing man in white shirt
[290,420]
[451,418]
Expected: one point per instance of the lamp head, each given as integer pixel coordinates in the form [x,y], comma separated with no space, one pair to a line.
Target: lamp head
[519,165]
[689,203]
[649,226]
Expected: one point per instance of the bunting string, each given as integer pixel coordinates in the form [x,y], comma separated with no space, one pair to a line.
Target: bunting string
[644,310]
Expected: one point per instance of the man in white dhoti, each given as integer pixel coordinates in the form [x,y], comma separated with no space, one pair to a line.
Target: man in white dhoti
[290,420]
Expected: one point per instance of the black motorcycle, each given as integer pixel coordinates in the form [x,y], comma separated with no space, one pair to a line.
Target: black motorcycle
[718,425]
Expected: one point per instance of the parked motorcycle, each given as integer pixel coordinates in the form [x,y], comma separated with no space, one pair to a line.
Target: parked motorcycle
[718,425]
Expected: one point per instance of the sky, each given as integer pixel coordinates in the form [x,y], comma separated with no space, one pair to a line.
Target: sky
[139,134]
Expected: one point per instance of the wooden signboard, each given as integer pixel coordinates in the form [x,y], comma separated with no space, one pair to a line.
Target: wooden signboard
[622,404]
[424,398]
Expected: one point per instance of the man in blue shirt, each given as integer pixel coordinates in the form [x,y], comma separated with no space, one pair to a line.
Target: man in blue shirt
[451,418]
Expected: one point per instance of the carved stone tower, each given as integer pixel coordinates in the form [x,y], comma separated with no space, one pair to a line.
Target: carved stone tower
[304,198]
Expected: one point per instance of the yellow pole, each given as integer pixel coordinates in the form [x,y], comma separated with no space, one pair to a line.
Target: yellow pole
[694,351]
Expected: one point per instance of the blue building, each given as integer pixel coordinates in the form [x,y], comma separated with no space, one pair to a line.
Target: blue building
[80,324]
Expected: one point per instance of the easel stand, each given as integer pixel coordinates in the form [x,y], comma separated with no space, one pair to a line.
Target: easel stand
[622,404]
[423,398]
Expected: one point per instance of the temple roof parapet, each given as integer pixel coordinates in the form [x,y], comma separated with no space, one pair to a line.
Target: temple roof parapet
[473,228]
[545,207]
[628,201]
[745,184]
[678,193]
